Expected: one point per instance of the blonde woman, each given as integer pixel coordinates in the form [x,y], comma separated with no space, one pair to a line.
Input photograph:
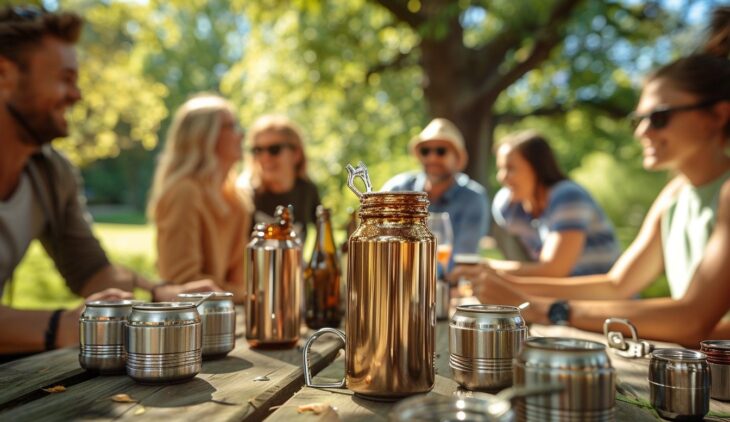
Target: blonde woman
[202,223]
[277,171]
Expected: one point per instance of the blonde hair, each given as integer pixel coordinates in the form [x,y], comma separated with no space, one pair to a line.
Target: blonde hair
[190,152]
[282,125]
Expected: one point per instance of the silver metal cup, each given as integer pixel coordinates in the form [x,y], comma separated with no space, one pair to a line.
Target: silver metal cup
[718,358]
[218,319]
[483,340]
[582,366]
[164,342]
[101,336]
[679,382]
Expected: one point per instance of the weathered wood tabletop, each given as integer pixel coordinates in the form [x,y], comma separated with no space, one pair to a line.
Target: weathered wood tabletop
[224,390]
[632,387]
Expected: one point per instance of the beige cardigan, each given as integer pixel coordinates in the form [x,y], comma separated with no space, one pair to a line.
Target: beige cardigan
[197,240]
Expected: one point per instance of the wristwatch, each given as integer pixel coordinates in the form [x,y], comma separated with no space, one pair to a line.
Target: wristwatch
[559,312]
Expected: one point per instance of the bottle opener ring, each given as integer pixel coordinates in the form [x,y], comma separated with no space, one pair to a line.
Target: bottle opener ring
[628,348]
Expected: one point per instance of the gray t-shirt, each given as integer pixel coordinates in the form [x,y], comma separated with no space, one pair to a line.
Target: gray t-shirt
[21,221]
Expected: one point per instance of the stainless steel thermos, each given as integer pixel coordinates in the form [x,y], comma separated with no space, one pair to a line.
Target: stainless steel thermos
[391,283]
[274,283]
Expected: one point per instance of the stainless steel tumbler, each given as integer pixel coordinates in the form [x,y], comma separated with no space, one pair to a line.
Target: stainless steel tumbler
[101,336]
[164,342]
[483,341]
[582,366]
[218,319]
[718,358]
[274,284]
[679,382]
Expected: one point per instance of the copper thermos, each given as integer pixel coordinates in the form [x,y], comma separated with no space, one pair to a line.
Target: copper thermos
[274,279]
[391,282]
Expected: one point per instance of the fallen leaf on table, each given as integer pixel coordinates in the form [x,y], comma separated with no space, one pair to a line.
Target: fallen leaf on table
[316,408]
[123,398]
[139,410]
[55,389]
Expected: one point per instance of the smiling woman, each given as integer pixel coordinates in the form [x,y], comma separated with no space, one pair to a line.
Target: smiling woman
[276,172]
[558,222]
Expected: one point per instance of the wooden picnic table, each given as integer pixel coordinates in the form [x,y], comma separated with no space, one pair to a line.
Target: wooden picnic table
[225,389]
[632,386]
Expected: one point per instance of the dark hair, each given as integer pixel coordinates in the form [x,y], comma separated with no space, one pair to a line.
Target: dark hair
[24,27]
[534,148]
[706,73]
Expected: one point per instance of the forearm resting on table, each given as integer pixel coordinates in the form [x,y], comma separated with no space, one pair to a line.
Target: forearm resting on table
[662,319]
[108,277]
[530,269]
[22,331]
[590,287]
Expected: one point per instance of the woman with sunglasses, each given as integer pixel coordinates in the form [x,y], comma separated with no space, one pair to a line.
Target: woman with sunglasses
[561,227]
[277,172]
[201,220]
[683,119]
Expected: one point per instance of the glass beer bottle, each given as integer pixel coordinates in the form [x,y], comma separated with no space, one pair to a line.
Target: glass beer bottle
[322,278]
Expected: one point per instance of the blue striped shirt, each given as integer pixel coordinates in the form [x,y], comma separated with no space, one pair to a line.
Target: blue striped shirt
[569,207]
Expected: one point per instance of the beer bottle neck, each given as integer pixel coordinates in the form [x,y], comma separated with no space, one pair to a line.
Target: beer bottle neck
[325,237]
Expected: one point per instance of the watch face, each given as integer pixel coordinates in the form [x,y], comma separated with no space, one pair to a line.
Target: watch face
[559,312]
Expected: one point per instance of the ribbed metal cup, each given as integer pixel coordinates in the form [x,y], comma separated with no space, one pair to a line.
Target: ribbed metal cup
[483,340]
[582,366]
[718,358]
[218,319]
[164,342]
[679,383]
[101,336]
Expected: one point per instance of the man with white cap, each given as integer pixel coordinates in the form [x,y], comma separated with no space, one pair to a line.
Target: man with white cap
[440,148]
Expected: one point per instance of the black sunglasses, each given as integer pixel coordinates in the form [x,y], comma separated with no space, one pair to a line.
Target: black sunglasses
[659,117]
[425,151]
[273,150]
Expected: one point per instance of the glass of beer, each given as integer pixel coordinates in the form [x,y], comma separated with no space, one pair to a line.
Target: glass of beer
[440,225]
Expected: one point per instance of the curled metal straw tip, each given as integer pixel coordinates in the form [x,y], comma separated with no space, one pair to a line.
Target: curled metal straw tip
[204,298]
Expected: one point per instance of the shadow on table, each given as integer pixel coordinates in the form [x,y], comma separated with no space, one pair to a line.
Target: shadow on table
[225,365]
[189,393]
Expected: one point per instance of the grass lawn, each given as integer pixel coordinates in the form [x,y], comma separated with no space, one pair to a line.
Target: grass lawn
[37,285]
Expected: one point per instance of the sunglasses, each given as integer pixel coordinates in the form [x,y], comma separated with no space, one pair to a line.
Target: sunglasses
[660,116]
[273,150]
[426,151]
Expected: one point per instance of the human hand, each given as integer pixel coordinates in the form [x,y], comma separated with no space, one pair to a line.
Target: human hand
[469,271]
[493,289]
[169,292]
